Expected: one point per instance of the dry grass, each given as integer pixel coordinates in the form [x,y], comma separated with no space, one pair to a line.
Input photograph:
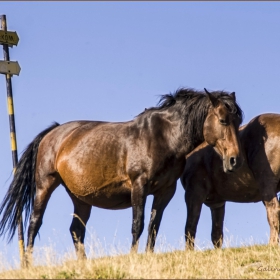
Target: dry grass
[256,261]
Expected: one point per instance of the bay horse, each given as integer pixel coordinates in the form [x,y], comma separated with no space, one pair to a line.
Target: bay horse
[258,179]
[117,165]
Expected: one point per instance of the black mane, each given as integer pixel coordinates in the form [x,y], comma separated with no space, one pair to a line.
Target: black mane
[190,97]
[195,105]
[193,98]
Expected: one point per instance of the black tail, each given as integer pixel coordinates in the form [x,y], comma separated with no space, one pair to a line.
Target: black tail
[20,195]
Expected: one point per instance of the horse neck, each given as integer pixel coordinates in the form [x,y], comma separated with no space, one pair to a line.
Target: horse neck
[191,121]
[181,134]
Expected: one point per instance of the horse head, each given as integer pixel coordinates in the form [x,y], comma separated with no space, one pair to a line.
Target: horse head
[221,130]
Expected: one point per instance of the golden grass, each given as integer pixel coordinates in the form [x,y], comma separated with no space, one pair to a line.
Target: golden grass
[256,261]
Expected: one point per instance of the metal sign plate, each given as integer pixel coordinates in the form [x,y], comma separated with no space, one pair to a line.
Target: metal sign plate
[8,37]
[9,67]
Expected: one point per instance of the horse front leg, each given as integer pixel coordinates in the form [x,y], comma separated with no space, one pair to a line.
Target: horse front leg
[160,202]
[218,214]
[138,201]
[268,189]
[194,203]
[272,210]
[268,182]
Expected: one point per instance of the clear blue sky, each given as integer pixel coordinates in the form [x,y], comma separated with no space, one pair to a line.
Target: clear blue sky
[110,60]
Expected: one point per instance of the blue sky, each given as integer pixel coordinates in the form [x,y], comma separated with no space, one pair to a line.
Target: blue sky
[111,60]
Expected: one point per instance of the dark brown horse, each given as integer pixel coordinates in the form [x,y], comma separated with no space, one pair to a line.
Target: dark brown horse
[117,165]
[257,180]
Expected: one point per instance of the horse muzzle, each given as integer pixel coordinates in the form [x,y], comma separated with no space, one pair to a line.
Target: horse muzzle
[231,163]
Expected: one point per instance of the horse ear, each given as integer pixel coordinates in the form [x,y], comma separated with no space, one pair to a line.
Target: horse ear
[212,98]
[233,96]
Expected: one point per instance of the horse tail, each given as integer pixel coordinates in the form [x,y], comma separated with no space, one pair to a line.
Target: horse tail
[21,193]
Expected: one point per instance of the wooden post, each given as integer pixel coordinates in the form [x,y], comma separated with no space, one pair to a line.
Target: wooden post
[12,133]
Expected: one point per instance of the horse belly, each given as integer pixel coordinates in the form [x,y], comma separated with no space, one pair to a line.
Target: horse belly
[114,196]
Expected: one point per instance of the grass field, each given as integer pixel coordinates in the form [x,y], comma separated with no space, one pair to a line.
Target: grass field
[256,261]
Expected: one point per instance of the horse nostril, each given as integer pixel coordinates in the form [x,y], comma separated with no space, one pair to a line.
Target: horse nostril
[232,161]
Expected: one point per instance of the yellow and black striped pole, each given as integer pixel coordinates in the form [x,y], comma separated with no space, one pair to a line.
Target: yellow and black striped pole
[12,132]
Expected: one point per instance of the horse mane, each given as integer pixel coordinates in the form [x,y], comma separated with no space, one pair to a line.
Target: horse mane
[193,98]
[195,105]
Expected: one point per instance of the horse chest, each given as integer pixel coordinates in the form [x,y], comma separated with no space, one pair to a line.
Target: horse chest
[239,188]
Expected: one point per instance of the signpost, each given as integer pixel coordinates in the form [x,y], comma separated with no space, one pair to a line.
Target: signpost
[8,37]
[8,68]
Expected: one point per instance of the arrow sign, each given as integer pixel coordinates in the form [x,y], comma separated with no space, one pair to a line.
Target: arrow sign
[8,37]
[9,67]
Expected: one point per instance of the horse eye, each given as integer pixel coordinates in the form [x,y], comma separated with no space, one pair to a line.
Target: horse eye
[223,122]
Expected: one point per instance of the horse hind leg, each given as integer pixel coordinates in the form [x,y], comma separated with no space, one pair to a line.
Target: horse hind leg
[44,188]
[78,226]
